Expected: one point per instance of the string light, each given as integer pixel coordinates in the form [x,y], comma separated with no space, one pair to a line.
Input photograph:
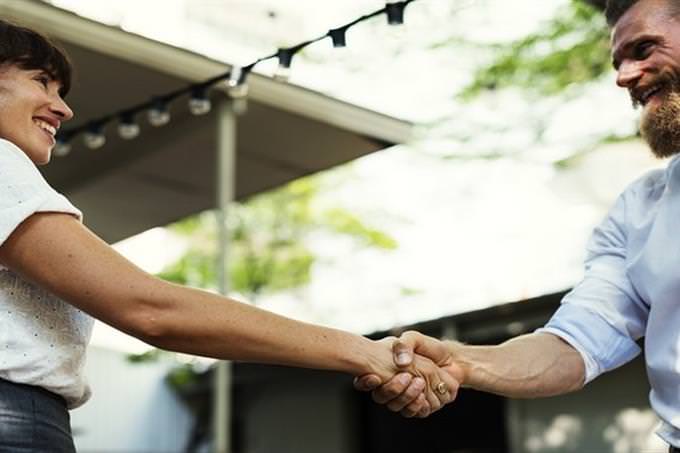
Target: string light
[339,37]
[395,12]
[158,113]
[282,73]
[237,86]
[199,104]
[62,146]
[94,138]
[128,129]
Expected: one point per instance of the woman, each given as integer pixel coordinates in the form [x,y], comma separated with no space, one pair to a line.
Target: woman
[56,275]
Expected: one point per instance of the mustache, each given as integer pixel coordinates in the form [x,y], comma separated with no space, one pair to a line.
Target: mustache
[665,81]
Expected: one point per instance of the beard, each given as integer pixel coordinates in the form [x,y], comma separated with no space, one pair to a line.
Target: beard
[660,126]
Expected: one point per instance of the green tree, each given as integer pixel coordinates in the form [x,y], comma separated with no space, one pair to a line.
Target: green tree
[267,248]
[566,55]
[571,48]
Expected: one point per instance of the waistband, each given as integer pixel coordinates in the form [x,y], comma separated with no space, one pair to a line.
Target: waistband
[34,388]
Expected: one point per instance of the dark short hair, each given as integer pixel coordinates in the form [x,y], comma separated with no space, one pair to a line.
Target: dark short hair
[30,50]
[617,8]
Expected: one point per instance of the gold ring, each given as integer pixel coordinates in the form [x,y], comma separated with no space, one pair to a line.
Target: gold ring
[442,388]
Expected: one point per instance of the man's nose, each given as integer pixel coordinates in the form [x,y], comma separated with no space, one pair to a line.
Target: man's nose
[629,73]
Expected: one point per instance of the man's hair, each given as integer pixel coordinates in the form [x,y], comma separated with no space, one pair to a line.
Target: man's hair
[29,50]
[617,8]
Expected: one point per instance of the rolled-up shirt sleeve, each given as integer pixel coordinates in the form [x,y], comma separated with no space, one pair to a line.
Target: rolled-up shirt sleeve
[603,316]
[24,192]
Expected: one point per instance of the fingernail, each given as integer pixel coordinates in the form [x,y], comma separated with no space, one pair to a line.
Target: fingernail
[403,358]
[404,379]
[372,382]
[419,383]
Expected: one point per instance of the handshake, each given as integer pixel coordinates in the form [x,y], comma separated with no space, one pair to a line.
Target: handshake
[414,374]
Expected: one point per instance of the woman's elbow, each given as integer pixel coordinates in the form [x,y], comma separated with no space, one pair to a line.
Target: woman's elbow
[148,320]
[148,325]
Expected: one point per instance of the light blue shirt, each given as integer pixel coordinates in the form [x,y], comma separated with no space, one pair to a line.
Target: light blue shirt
[631,290]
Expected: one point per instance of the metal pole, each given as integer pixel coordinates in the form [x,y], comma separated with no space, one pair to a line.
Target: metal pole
[226,188]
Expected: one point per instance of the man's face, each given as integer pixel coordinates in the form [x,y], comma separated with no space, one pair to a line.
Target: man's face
[31,111]
[646,55]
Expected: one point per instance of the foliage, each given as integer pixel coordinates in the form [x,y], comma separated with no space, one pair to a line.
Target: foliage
[571,48]
[267,251]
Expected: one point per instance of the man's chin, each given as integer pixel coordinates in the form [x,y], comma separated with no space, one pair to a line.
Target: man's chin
[660,125]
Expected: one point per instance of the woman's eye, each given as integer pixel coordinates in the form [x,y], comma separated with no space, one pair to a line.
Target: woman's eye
[43,80]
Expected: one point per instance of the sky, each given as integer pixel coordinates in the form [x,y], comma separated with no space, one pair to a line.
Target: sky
[472,232]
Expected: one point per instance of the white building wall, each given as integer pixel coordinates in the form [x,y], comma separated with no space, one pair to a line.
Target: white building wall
[131,410]
[611,415]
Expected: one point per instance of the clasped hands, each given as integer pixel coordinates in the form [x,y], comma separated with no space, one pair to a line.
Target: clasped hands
[420,378]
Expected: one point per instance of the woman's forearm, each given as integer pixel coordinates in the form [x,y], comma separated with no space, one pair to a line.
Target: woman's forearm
[529,366]
[80,268]
[198,322]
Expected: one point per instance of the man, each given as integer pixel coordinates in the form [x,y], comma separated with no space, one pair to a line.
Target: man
[631,287]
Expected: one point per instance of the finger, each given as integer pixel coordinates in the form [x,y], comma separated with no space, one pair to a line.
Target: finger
[403,348]
[430,347]
[433,400]
[424,413]
[450,384]
[419,406]
[392,388]
[414,390]
[366,383]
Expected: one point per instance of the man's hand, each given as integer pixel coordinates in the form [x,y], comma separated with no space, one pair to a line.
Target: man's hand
[404,393]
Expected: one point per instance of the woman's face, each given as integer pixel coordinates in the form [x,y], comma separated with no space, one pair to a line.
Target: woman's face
[31,111]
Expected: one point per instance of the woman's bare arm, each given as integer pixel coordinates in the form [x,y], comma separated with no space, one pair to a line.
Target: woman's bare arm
[61,255]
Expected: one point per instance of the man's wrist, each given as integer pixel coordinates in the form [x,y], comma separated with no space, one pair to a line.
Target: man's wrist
[460,361]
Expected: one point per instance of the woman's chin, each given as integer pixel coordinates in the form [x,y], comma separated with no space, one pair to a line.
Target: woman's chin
[39,157]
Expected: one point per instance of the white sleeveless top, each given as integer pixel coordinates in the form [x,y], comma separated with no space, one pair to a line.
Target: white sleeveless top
[42,338]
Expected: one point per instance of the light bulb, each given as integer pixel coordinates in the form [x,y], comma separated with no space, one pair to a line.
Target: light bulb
[62,148]
[395,12]
[339,37]
[128,129]
[159,115]
[282,73]
[236,85]
[94,139]
[199,104]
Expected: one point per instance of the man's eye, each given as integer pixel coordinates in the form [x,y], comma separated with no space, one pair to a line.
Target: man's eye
[643,49]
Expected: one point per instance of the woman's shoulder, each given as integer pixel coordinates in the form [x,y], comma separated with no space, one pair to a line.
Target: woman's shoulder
[12,155]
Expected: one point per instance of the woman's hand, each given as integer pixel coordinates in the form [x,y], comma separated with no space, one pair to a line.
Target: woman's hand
[424,362]
[416,388]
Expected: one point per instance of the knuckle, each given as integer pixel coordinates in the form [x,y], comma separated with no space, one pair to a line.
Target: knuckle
[391,391]
[410,334]
[379,397]
[412,393]
[395,406]
[406,413]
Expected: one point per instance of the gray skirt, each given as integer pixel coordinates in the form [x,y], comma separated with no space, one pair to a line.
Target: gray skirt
[33,420]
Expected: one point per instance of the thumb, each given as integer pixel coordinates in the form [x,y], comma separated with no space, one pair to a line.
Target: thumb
[403,347]
[415,342]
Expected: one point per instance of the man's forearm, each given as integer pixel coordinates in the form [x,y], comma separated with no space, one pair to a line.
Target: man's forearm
[529,366]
